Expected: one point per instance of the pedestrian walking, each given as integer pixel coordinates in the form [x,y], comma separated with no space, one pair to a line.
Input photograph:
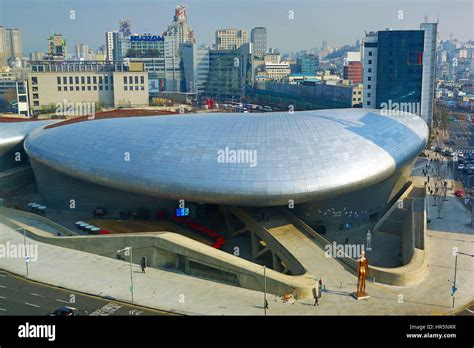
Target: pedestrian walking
[320,283]
[143,264]
[266,304]
[316,297]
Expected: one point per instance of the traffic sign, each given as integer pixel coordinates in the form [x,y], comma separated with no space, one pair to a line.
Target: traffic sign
[453,290]
[27,259]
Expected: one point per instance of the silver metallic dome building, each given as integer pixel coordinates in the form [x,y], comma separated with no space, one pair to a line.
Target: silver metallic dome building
[309,157]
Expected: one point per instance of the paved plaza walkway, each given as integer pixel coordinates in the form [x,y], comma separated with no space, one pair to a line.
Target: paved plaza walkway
[176,292]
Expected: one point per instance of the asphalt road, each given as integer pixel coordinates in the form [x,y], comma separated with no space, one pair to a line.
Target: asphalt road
[19,296]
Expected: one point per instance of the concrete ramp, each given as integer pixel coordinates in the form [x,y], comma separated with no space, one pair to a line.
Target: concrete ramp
[282,234]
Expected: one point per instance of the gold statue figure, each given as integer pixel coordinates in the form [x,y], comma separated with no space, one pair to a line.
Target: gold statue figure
[362,271]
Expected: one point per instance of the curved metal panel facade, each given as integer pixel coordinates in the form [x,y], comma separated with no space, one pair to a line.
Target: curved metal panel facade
[12,133]
[303,156]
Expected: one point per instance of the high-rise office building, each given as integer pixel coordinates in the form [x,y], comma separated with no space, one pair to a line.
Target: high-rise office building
[226,78]
[83,52]
[117,45]
[258,38]
[399,70]
[179,28]
[177,33]
[195,64]
[10,45]
[57,47]
[309,64]
[353,71]
[231,39]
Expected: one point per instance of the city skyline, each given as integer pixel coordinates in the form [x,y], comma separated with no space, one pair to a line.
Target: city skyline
[154,17]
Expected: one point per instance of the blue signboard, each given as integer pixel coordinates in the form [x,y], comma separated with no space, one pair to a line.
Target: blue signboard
[182,211]
[147,37]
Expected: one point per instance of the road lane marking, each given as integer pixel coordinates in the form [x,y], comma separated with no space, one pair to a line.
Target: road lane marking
[63,301]
[32,293]
[106,310]
[31,304]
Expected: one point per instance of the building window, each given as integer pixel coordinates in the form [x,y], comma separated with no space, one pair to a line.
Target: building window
[369,86]
[83,79]
[94,80]
[83,88]
[368,95]
[77,80]
[370,61]
[130,80]
[65,88]
[136,79]
[369,70]
[125,88]
[142,88]
[88,80]
[136,88]
[58,80]
[106,87]
[95,88]
[100,79]
[142,79]
[369,78]
[64,80]
[89,88]
[59,88]
[100,88]
[370,53]
[106,79]
[125,80]
[34,80]
[70,80]
[368,103]
[77,88]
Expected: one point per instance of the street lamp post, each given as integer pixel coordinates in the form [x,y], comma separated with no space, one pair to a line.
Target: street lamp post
[26,249]
[129,249]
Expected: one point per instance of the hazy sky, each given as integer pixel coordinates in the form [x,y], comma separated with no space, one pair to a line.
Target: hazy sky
[338,22]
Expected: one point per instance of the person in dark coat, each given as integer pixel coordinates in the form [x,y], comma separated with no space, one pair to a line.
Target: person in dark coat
[316,297]
[143,264]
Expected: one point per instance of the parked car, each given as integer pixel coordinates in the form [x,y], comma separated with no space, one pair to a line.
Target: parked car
[66,311]
[459,193]
[267,108]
